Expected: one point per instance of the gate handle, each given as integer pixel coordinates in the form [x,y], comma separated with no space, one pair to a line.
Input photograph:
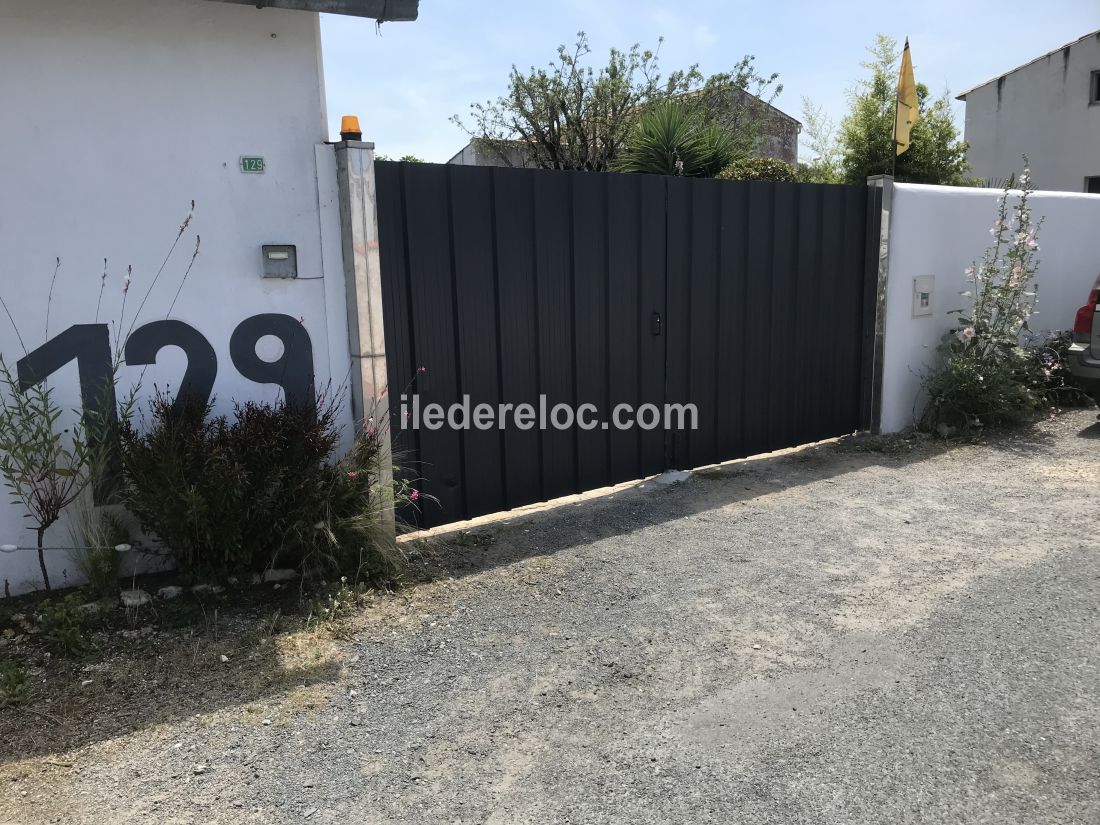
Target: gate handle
[655,325]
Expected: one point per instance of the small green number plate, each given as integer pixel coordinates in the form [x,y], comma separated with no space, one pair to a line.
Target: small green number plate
[253,166]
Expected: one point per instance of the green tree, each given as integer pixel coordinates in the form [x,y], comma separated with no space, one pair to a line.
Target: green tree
[570,116]
[866,141]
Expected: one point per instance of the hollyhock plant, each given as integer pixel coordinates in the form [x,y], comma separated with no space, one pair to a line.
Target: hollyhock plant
[982,377]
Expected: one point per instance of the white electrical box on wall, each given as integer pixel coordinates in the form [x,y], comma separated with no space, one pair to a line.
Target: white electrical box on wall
[923,287]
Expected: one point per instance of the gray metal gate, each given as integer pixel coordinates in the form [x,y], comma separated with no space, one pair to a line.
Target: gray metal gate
[754,301]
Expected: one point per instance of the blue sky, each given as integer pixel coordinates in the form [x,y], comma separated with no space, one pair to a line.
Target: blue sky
[406,83]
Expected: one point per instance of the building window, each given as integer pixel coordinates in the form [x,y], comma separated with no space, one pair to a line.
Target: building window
[1094,88]
[1092,185]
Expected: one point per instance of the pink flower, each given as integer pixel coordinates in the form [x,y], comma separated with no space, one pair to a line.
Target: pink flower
[421,369]
[414,494]
[352,475]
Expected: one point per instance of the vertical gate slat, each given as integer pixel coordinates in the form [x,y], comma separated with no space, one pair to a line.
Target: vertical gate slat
[832,258]
[590,314]
[477,334]
[652,357]
[731,328]
[401,360]
[784,233]
[805,319]
[756,318]
[677,324]
[430,280]
[849,321]
[703,328]
[519,329]
[623,314]
[553,270]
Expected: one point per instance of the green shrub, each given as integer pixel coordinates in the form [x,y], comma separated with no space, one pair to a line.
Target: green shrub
[180,482]
[265,489]
[674,138]
[15,686]
[759,169]
[62,625]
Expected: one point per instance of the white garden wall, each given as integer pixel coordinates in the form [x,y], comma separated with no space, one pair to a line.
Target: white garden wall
[940,230]
[113,117]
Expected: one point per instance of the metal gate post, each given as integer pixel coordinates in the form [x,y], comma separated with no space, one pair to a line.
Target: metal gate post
[881,262]
[363,284]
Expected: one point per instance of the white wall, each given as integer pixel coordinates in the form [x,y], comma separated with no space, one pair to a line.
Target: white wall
[940,230]
[1041,110]
[114,115]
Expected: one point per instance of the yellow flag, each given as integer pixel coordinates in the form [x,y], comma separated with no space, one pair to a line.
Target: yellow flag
[907,102]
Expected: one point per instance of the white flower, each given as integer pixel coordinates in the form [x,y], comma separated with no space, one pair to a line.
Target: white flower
[965,334]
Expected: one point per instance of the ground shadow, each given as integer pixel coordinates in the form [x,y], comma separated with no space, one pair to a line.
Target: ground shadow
[473,547]
[1092,431]
[142,678]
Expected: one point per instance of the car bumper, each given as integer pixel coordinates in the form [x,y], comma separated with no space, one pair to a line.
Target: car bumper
[1085,369]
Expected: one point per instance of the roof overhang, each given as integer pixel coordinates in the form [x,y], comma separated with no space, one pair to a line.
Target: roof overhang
[381,10]
[1065,53]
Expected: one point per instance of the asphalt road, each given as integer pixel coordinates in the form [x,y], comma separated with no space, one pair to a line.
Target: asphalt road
[836,636]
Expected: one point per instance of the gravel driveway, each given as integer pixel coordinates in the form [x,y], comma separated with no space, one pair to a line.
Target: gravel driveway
[837,635]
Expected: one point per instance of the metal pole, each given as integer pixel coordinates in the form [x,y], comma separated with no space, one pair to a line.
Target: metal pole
[894,143]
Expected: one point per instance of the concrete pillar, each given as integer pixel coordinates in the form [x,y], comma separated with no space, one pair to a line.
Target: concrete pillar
[886,184]
[363,282]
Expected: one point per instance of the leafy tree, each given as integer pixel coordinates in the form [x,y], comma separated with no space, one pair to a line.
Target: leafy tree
[570,116]
[402,159]
[866,141]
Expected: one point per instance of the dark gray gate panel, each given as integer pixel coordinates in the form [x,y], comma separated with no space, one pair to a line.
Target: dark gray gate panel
[753,301]
[505,284]
[766,313]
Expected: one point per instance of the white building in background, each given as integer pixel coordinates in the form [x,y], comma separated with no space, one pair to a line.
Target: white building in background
[1048,109]
[114,116]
